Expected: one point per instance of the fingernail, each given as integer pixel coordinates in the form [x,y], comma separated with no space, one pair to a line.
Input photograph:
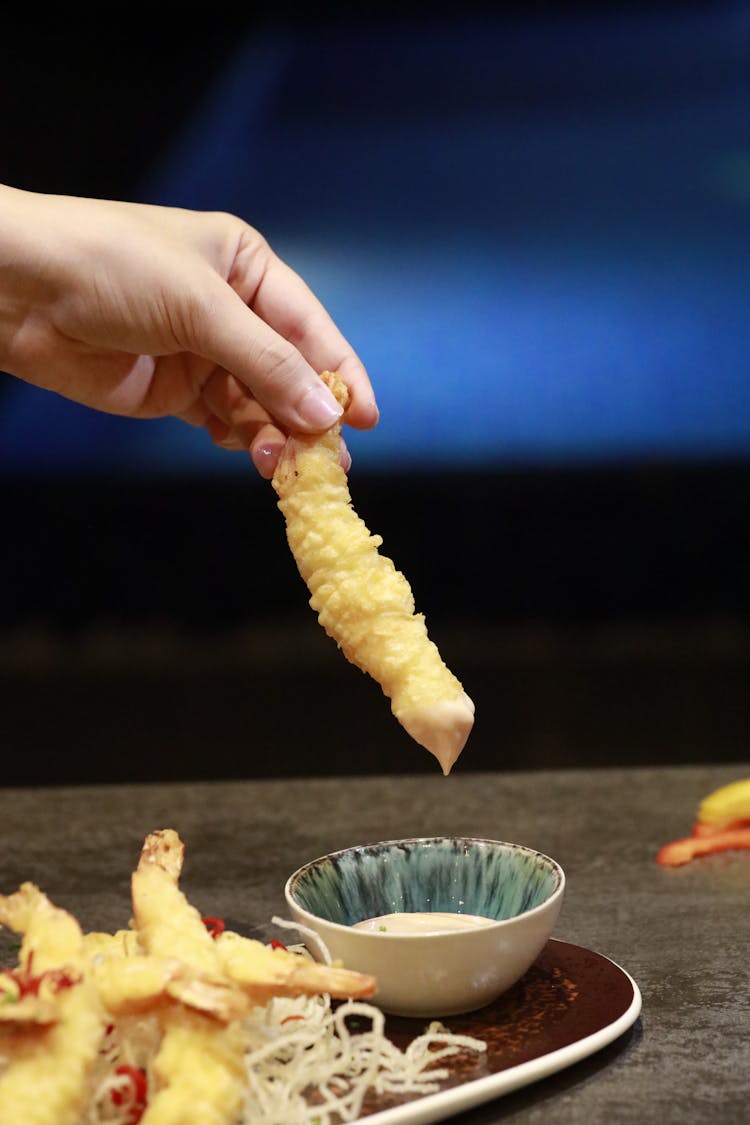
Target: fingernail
[266,458]
[319,408]
[345,458]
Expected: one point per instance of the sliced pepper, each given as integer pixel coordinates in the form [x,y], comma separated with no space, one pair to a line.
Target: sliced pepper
[722,824]
[134,1092]
[215,926]
[702,829]
[690,847]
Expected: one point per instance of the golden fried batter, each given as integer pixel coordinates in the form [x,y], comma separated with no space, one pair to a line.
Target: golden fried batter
[159,1008]
[199,1066]
[47,1081]
[362,601]
[264,972]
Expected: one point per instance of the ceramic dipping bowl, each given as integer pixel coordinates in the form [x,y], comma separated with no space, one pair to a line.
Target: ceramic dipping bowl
[438,971]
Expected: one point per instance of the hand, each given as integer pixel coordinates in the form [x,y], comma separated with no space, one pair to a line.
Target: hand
[151,311]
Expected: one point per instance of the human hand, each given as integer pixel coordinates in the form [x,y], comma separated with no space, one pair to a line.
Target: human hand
[151,311]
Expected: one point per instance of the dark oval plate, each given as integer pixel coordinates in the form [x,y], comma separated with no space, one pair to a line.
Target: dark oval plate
[571,1003]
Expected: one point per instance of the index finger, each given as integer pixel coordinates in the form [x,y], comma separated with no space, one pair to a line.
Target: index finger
[286,303]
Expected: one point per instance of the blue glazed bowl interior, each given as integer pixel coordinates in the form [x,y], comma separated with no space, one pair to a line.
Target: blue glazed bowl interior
[468,876]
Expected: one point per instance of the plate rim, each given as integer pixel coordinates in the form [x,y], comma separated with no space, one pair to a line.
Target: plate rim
[456,1099]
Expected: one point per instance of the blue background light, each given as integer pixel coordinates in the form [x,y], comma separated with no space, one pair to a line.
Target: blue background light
[534,233]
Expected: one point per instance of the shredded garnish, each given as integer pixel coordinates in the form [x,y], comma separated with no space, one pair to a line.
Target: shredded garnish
[306,1065]
[308,1062]
[298,1059]
[316,939]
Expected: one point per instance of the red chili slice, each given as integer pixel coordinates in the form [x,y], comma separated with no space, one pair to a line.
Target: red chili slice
[215,926]
[30,983]
[135,1091]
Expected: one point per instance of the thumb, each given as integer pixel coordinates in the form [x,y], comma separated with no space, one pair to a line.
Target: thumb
[274,371]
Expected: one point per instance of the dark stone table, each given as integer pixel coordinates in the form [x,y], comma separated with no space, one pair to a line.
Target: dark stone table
[683,934]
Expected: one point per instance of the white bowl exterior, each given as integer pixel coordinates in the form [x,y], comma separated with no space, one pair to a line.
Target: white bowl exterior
[439,974]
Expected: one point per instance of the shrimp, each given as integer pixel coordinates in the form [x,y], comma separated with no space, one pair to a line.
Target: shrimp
[266,972]
[170,927]
[132,985]
[158,1007]
[131,982]
[56,1056]
[362,601]
[122,943]
[199,1068]
[199,1071]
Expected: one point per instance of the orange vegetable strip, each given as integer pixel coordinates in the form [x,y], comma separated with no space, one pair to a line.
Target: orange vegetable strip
[682,851]
[701,828]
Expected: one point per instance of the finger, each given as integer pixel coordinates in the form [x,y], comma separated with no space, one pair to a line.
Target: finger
[221,434]
[236,415]
[226,397]
[284,301]
[265,450]
[197,414]
[245,418]
[267,447]
[278,376]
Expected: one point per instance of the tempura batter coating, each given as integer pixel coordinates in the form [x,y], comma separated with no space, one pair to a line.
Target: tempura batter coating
[149,1019]
[199,1070]
[362,601]
[199,1066]
[168,927]
[264,972]
[47,1082]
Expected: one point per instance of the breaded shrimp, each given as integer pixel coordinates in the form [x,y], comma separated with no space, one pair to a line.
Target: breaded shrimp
[199,1071]
[199,1068]
[130,985]
[362,601]
[131,982]
[264,972]
[47,1081]
[169,927]
[122,943]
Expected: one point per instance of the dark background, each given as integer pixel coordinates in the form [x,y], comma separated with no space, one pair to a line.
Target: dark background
[152,623]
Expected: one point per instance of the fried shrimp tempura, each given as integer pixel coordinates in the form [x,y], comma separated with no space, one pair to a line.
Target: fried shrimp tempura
[130,981]
[265,973]
[362,601]
[47,1081]
[199,1066]
[200,1072]
[169,927]
[142,1025]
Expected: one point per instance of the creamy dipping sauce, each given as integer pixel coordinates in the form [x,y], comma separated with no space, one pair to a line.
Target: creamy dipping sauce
[422,922]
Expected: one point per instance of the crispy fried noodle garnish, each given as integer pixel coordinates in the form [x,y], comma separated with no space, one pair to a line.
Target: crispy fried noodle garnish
[178,1021]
